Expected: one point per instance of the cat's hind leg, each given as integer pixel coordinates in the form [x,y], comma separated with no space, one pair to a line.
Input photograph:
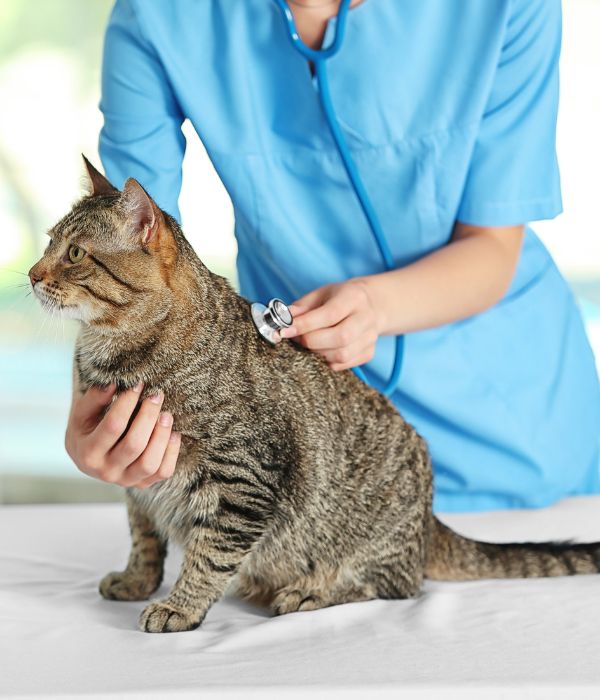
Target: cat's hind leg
[312,593]
[388,576]
[144,571]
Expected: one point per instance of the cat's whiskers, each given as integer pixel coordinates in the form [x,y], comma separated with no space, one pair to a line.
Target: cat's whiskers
[47,317]
[16,272]
[18,299]
[62,323]
[51,327]
[15,286]
[40,328]
[54,325]
[46,307]
[56,320]
[60,330]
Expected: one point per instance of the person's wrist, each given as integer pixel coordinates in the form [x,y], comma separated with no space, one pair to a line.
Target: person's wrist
[371,290]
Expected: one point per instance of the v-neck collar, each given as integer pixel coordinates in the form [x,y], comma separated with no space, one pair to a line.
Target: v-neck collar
[329,35]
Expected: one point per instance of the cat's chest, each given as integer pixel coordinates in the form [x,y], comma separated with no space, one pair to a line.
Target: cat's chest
[93,371]
[100,366]
[178,503]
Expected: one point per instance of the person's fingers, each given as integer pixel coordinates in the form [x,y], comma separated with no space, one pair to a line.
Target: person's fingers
[344,333]
[84,415]
[296,309]
[168,463]
[362,358]
[86,407]
[309,301]
[114,423]
[149,461]
[135,441]
[330,313]
[350,356]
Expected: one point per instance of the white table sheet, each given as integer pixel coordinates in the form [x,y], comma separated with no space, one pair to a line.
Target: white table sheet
[486,639]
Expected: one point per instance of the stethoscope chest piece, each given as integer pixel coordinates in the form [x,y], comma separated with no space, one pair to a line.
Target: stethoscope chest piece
[270,319]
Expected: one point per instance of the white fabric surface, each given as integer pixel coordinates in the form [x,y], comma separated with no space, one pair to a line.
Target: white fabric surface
[486,639]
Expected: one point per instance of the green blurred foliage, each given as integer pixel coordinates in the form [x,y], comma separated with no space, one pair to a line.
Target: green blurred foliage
[74,29]
[72,26]
[76,25]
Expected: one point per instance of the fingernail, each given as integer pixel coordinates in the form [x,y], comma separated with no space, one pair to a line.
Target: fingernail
[107,388]
[156,398]
[138,387]
[174,437]
[165,419]
[288,332]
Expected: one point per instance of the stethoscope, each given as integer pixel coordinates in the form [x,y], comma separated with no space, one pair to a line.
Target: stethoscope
[270,319]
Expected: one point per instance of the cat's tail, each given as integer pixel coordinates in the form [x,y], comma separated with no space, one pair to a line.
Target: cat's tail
[451,557]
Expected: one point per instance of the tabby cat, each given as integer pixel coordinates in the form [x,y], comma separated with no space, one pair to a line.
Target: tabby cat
[301,486]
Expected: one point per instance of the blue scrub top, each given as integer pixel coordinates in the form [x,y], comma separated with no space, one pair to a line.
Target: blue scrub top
[449,108]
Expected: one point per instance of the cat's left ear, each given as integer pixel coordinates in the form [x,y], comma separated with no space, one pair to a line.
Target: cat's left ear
[98,183]
[141,211]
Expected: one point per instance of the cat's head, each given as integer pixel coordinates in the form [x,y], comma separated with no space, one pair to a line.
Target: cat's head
[110,260]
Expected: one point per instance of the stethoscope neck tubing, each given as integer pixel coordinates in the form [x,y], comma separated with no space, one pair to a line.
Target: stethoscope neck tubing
[315,54]
[349,166]
[319,59]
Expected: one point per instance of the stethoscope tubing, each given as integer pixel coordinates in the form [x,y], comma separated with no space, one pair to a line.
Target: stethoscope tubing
[301,47]
[319,58]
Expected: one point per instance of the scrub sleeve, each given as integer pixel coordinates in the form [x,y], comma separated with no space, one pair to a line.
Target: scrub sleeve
[141,136]
[513,175]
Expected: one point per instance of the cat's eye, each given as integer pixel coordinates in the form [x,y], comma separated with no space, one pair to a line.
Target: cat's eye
[76,254]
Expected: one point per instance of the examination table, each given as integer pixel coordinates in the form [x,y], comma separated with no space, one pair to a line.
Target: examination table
[536,638]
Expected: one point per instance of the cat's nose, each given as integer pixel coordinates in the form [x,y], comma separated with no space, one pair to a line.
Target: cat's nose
[34,278]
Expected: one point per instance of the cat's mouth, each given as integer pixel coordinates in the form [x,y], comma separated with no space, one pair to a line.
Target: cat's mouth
[51,301]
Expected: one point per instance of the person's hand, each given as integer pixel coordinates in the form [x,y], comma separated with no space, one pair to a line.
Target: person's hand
[337,321]
[100,448]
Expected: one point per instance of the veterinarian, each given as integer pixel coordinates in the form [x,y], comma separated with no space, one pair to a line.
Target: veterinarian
[449,108]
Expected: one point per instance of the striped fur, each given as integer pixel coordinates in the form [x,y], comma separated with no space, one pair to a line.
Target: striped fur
[297,486]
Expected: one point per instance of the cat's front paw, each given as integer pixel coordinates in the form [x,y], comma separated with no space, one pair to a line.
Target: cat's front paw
[121,585]
[162,617]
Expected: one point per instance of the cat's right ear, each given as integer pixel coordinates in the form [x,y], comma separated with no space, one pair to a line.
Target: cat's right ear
[98,183]
[142,213]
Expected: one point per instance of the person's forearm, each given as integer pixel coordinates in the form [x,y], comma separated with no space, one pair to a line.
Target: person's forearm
[463,278]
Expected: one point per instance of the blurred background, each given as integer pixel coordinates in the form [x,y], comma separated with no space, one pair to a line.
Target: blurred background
[50,53]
